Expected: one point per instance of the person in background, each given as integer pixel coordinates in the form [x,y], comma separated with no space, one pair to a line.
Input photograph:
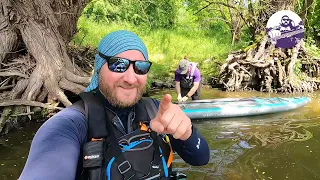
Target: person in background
[188,80]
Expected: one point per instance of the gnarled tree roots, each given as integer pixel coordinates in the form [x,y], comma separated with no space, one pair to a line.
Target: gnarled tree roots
[264,67]
[35,67]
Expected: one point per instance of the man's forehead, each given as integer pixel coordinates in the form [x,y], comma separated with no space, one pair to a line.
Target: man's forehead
[131,54]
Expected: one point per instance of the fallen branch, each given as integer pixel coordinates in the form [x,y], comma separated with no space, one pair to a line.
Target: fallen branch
[13,74]
[22,114]
[17,102]
[6,87]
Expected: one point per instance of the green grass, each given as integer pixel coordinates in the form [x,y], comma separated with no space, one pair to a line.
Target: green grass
[167,47]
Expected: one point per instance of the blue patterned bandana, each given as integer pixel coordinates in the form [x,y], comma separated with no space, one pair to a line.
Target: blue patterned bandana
[112,44]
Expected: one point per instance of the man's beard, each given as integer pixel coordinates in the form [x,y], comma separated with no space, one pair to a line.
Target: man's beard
[110,93]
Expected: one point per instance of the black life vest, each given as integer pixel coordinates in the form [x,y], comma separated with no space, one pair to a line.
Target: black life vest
[187,79]
[186,82]
[108,154]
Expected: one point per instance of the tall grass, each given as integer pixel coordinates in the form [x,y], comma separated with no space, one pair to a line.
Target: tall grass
[167,46]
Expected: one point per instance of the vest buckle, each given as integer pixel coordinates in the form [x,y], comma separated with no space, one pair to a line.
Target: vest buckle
[126,168]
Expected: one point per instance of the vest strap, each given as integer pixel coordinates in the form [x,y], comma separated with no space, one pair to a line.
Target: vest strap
[150,106]
[97,124]
[100,127]
[194,65]
[124,166]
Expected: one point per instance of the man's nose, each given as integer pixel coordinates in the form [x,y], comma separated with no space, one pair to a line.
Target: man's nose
[130,76]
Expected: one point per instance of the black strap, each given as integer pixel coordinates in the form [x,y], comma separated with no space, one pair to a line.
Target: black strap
[100,126]
[97,124]
[124,166]
[152,111]
[151,107]
[156,157]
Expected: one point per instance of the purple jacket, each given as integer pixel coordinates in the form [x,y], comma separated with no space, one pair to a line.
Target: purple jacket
[193,71]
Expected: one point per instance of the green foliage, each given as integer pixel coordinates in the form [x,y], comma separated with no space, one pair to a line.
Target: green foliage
[312,49]
[207,16]
[297,67]
[91,32]
[173,29]
[148,85]
[313,22]
[243,15]
[168,46]
[149,14]
[101,10]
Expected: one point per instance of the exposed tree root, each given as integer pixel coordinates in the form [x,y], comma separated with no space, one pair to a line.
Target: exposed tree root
[269,69]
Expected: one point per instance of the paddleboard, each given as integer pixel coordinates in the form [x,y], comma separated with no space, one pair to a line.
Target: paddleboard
[238,107]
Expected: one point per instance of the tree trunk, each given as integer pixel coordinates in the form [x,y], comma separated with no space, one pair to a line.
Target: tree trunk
[235,25]
[34,36]
[305,10]
[8,35]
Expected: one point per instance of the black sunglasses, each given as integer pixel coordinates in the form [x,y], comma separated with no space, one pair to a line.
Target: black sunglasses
[120,65]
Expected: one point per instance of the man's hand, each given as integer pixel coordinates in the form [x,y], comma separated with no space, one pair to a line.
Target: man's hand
[171,119]
[179,97]
[185,98]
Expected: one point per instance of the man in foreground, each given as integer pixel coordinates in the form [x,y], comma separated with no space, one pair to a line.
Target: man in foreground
[112,133]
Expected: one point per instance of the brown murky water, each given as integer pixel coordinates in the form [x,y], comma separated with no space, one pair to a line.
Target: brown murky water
[275,146]
[14,149]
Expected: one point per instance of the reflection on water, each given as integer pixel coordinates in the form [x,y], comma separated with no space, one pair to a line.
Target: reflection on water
[274,146]
[14,149]
[261,150]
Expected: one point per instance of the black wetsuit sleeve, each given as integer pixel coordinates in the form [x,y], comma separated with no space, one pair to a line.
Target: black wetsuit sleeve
[55,149]
[195,150]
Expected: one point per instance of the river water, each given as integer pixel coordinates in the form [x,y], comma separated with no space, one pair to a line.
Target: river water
[274,146]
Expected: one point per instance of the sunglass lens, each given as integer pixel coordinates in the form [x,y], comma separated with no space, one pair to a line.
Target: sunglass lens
[142,67]
[118,64]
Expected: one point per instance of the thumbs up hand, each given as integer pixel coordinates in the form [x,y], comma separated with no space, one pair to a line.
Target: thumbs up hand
[172,120]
